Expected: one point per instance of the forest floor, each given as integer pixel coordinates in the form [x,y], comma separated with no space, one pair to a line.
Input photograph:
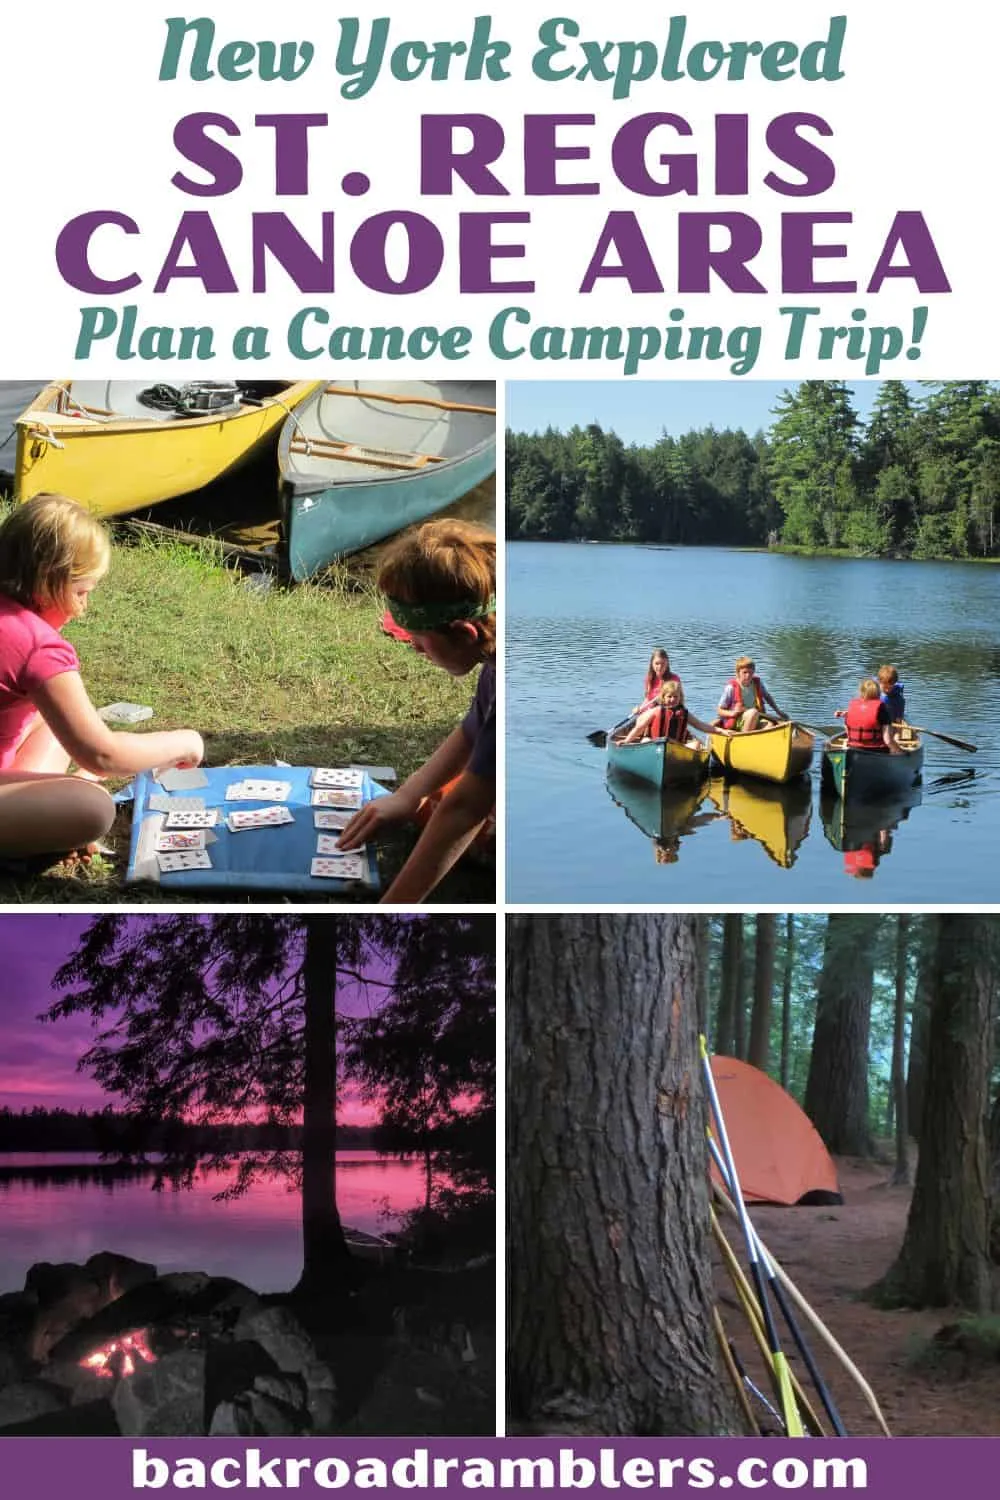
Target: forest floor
[833,1254]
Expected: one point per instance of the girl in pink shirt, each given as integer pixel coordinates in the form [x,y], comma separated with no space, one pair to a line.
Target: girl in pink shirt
[53,553]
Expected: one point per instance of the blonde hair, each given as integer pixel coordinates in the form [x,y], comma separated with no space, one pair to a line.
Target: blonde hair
[445,562]
[47,545]
[888,676]
[671,690]
[869,688]
[745,661]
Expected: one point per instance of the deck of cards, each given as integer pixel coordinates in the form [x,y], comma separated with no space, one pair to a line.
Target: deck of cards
[183,831]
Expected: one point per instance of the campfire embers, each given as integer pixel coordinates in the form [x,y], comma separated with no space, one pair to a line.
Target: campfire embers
[121,1357]
[174,1355]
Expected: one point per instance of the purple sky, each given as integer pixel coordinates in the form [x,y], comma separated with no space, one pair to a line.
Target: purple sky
[38,1062]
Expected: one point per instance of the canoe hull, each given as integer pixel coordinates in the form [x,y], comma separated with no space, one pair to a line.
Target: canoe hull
[870,775]
[661,763]
[778,753]
[335,507]
[130,462]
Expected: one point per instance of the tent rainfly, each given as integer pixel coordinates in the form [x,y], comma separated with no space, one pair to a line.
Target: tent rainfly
[779,1154]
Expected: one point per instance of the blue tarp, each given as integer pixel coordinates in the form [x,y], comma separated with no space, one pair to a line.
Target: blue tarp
[263,859]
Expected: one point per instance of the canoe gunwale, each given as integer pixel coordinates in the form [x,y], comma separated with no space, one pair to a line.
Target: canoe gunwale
[673,767]
[801,744]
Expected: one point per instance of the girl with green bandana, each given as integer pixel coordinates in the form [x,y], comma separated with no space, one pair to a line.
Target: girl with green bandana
[440,587]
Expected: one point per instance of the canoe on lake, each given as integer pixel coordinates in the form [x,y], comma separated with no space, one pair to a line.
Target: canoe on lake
[777,752]
[868,775]
[361,460]
[660,762]
[776,817]
[119,445]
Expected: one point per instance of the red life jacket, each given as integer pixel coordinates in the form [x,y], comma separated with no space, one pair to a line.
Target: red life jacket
[729,722]
[862,723]
[669,724]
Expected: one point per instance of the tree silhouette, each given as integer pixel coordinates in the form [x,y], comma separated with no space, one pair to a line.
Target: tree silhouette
[233,1018]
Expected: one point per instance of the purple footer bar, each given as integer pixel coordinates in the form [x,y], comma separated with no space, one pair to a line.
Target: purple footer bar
[114,1468]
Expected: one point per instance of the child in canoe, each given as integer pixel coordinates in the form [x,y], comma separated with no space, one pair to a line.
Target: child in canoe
[744,698]
[440,587]
[657,673]
[891,692]
[53,554]
[868,721]
[668,719]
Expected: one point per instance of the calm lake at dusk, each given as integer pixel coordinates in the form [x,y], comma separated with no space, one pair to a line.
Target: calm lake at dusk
[255,1239]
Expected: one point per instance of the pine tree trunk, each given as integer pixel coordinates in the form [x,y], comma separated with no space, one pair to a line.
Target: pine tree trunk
[325,1254]
[916,1074]
[610,1285]
[763,988]
[729,987]
[901,1173]
[836,1097]
[944,1260]
[786,1000]
[742,993]
[701,952]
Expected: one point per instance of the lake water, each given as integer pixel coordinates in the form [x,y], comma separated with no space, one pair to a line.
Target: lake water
[255,1238]
[582,620]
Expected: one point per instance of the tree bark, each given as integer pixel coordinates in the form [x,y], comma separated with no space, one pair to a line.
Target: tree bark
[901,1173]
[763,988]
[324,1248]
[944,1259]
[610,1286]
[836,1098]
[701,950]
[786,1000]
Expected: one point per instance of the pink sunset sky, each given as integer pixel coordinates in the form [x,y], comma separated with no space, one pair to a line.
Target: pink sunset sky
[38,1063]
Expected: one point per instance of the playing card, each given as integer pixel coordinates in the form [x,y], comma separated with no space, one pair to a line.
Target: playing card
[163,802]
[331,818]
[182,838]
[206,817]
[182,781]
[340,866]
[259,817]
[329,796]
[184,859]
[326,843]
[330,776]
[258,791]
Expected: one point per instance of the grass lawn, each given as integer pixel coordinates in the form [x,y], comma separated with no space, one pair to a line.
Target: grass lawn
[302,675]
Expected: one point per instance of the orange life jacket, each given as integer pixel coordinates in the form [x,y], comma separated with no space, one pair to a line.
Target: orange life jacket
[862,723]
[729,722]
[669,724]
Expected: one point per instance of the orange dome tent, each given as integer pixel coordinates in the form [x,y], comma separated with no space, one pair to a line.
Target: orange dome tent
[779,1154]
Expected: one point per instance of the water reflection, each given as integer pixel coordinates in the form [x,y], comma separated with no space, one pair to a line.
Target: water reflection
[664,817]
[776,817]
[862,831]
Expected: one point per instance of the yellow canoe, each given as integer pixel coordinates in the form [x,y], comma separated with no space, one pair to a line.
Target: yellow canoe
[777,752]
[95,441]
[776,817]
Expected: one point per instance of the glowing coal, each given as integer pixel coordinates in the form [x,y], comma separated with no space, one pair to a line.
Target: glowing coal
[122,1356]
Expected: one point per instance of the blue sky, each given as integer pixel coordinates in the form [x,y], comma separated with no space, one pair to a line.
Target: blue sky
[638,410]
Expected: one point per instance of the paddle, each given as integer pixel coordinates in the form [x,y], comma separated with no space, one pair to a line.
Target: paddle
[949,739]
[599,737]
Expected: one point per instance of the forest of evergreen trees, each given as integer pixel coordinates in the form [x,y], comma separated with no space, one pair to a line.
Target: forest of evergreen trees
[921,479]
[109,1130]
